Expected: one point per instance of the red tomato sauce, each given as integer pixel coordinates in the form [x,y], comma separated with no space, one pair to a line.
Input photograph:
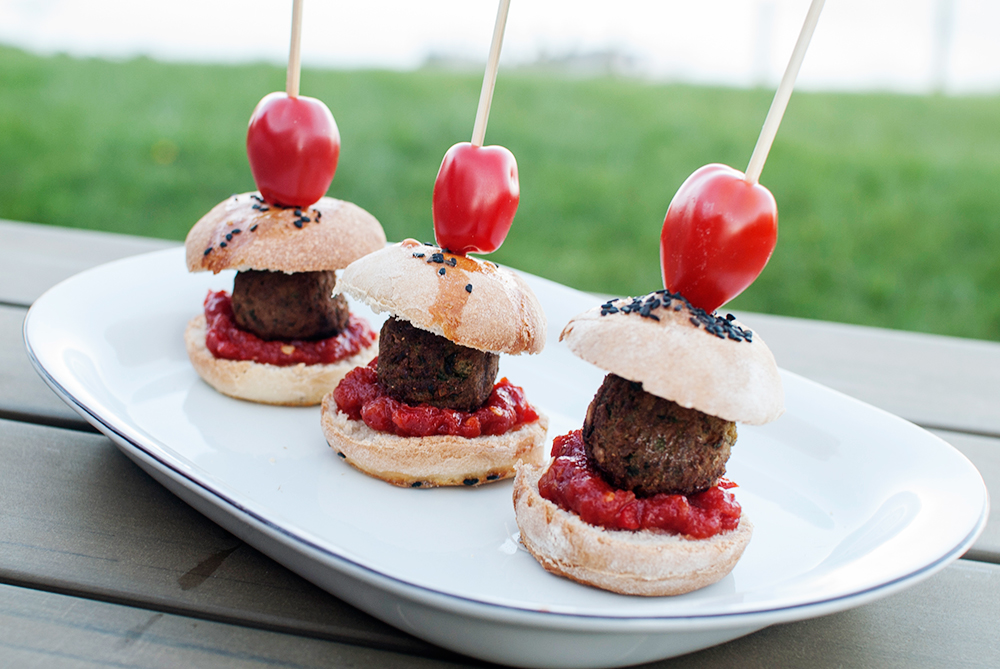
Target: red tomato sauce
[361,397]
[572,483]
[226,340]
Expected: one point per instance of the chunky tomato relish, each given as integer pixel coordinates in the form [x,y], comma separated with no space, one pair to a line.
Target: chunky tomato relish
[226,340]
[361,397]
[572,483]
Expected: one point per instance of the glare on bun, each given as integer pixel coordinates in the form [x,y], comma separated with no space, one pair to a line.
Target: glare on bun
[713,371]
[472,302]
[440,301]
[246,234]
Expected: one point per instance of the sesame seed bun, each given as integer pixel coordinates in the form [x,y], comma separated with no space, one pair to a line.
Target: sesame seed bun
[440,460]
[730,377]
[279,239]
[293,385]
[629,563]
[470,301]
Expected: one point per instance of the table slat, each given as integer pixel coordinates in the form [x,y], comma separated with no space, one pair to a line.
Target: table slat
[44,629]
[949,620]
[79,517]
[23,394]
[33,258]
[933,381]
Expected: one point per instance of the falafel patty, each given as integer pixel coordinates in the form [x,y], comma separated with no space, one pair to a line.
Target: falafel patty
[277,305]
[419,367]
[650,445]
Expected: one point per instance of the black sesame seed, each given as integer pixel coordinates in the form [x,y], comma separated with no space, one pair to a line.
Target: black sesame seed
[236,231]
[222,244]
[341,454]
[730,317]
[437,257]
[298,223]
[229,237]
[468,287]
[418,255]
[470,481]
[441,271]
[318,213]
[208,250]
[257,197]
[492,477]
[695,322]
[298,212]
[253,227]
[416,484]
[451,261]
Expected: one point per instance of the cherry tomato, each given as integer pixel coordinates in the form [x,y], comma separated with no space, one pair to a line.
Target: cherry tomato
[293,145]
[718,234]
[475,197]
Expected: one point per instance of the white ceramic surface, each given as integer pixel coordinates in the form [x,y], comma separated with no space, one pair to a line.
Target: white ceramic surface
[850,503]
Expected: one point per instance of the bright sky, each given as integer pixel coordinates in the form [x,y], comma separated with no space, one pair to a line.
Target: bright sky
[905,45]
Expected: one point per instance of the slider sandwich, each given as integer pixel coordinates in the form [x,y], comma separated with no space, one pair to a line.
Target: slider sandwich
[280,337]
[429,411]
[636,502]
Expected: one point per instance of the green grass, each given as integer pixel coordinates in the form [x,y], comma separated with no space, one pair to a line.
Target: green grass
[889,204]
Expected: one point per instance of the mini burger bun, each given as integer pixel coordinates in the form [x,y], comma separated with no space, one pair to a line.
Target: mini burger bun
[293,385]
[470,301]
[245,233]
[629,563]
[733,379]
[439,460]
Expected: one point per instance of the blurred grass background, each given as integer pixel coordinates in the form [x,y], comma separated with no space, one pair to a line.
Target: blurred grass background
[889,205]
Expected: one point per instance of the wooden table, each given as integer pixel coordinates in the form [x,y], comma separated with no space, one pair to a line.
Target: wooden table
[100,565]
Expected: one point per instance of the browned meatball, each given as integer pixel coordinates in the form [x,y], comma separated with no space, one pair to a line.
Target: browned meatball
[649,445]
[419,367]
[276,305]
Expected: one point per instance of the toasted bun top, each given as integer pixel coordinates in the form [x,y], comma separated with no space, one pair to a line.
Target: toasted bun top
[683,354]
[244,233]
[470,301]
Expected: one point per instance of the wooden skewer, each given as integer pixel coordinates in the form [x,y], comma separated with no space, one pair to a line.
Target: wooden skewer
[490,77]
[295,51]
[784,92]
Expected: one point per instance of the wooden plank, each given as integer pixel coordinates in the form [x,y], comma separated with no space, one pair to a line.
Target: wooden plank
[43,629]
[948,620]
[33,258]
[984,452]
[933,381]
[80,518]
[23,394]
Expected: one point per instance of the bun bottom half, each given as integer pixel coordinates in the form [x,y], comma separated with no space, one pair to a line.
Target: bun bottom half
[439,460]
[629,563]
[294,385]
